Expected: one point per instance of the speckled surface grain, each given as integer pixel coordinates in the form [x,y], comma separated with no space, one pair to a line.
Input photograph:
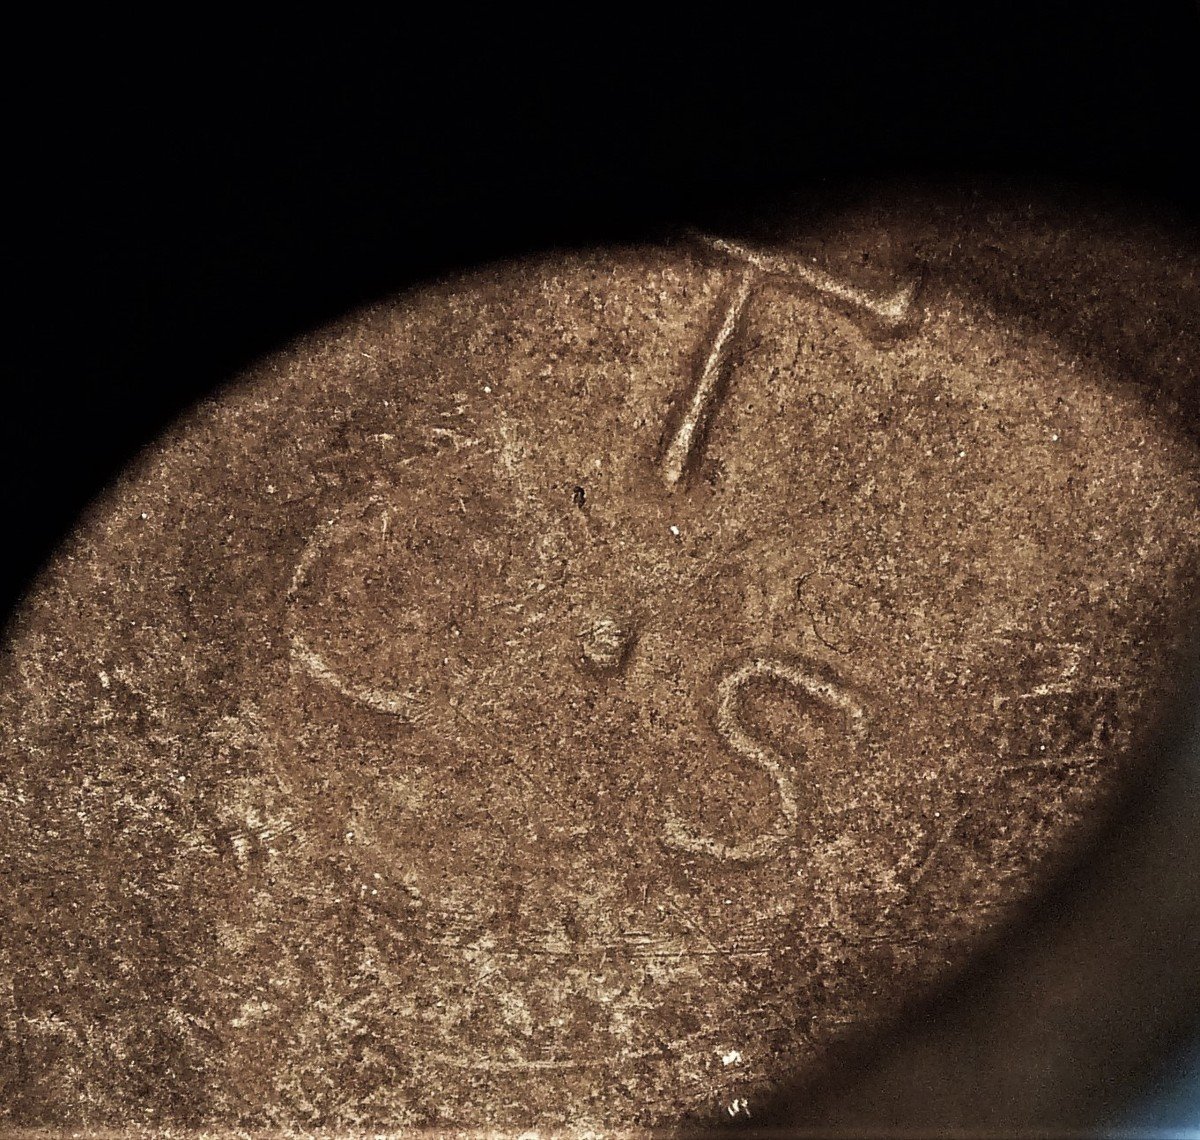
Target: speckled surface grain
[400,745]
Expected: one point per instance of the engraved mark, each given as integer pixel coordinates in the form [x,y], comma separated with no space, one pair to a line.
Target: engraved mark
[401,703]
[891,310]
[1059,725]
[701,405]
[729,697]
[605,645]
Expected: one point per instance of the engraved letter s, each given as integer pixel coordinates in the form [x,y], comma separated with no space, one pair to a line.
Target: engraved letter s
[732,731]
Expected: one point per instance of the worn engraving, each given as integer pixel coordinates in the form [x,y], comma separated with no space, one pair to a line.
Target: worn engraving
[605,644]
[1060,724]
[730,692]
[891,310]
[703,399]
[403,703]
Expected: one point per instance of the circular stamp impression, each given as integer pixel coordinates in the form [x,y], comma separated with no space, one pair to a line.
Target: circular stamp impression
[579,692]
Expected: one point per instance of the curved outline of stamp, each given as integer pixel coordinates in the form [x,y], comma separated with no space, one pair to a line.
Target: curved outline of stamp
[891,309]
[404,704]
[729,695]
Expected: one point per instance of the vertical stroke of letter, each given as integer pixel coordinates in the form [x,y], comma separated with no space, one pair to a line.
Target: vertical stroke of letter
[699,409]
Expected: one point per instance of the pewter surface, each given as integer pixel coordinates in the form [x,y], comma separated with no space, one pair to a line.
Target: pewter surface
[574,694]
